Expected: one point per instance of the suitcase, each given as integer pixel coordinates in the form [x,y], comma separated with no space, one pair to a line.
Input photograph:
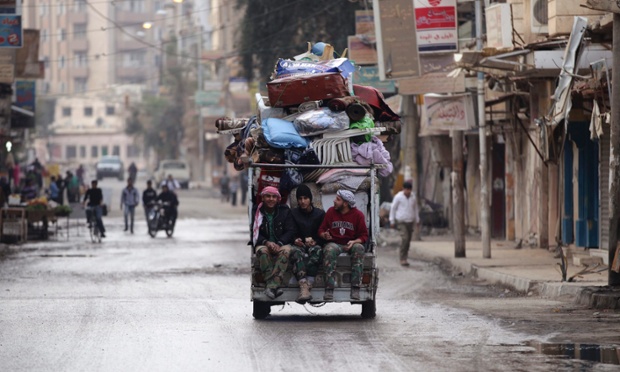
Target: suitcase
[296,90]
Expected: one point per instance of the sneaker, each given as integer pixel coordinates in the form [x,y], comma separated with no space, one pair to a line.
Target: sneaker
[355,293]
[270,292]
[329,294]
[404,263]
[102,235]
[125,229]
[273,293]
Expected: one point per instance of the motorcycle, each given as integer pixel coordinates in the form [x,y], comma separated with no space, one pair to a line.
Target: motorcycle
[158,220]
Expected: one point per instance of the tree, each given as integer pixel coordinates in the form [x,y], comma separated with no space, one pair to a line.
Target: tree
[281,29]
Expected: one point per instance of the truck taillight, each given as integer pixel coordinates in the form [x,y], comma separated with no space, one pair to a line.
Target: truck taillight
[366,278]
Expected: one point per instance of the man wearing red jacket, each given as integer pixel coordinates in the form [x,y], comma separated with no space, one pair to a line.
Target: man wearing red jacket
[344,227]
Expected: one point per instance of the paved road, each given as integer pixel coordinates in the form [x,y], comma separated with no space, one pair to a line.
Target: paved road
[134,303]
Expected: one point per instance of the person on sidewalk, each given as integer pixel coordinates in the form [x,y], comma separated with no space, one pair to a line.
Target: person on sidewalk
[273,231]
[344,227]
[130,198]
[403,215]
[306,253]
[172,184]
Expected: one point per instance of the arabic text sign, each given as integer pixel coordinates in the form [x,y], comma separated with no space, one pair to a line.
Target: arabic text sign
[10,31]
[436,25]
[362,52]
[397,47]
[444,112]
[25,94]
[499,26]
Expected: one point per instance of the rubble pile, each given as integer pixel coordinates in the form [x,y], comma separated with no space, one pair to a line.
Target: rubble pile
[313,114]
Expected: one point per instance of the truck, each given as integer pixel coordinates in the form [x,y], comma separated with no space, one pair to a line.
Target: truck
[368,203]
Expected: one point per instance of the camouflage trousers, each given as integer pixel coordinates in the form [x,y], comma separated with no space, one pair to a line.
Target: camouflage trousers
[305,261]
[331,251]
[273,266]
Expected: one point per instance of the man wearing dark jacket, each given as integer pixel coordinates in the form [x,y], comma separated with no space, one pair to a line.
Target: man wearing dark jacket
[306,253]
[273,230]
[170,201]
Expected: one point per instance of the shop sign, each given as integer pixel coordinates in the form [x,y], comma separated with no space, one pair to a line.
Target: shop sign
[436,25]
[435,79]
[8,6]
[397,47]
[448,112]
[369,76]
[364,22]
[27,64]
[11,31]
[25,95]
[362,50]
[499,26]
[7,66]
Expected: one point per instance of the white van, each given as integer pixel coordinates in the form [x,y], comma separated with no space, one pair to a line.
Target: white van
[179,169]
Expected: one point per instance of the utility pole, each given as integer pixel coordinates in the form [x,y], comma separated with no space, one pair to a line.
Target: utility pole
[484,192]
[201,126]
[614,161]
[410,163]
[458,204]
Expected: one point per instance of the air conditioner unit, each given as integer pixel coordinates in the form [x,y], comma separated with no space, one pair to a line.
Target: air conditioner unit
[539,16]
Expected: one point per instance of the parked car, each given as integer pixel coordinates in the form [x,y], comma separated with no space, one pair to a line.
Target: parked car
[179,169]
[110,166]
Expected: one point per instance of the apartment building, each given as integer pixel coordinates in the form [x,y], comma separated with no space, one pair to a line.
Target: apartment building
[89,45]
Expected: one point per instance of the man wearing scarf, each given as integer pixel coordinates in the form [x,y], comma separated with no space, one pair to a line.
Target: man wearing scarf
[344,227]
[273,231]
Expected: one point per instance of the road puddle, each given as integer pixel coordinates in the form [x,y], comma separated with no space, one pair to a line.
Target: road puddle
[591,352]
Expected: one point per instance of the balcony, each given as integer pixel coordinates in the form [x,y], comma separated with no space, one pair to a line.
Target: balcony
[129,45]
[80,72]
[125,17]
[134,72]
[79,45]
[78,17]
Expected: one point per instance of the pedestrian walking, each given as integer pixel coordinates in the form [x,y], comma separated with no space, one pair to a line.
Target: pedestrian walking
[404,214]
[129,200]
[243,185]
[225,188]
[233,193]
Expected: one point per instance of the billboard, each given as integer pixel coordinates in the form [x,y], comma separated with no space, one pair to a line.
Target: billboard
[11,31]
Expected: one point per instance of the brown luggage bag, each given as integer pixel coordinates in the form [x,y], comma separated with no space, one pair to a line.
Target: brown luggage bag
[295,90]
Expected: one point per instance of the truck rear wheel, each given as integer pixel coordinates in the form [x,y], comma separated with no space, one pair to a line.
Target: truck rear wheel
[261,310]
[369,309]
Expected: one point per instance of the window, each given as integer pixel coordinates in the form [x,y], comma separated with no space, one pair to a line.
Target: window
[136,6]
[71,152]
[82,152]
[46,62]
[133,59]
[88,111]
[66,112]
[62,35]
[116,150]
[61,8]
[79,31]
[133,151]
[80,5]
[104,151]
[43,9]
[79,85]
[61,62]
[80,60]
[110,110]
[44,35]
[63,87]
[94,152]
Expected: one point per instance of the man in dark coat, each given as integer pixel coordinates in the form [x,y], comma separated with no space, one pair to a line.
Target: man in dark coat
[306,253]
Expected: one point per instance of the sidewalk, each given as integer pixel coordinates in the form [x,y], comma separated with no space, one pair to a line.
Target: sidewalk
[526,269]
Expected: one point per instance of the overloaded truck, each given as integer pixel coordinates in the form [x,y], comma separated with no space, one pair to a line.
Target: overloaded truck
[316,127]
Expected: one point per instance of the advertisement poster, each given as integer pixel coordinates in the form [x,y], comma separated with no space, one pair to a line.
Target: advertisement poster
[369,75]
[11,31]
[25,94]
[436,25]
